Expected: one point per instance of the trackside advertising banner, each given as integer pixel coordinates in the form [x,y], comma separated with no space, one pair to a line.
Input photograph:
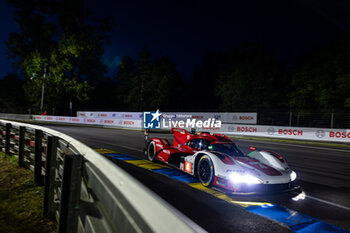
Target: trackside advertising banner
[226,117]
[122,123]
[116,115]
[317,134]
[92,121]
[211,125]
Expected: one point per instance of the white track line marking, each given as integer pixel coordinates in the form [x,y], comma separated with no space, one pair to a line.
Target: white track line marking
[328,202]
[302,146]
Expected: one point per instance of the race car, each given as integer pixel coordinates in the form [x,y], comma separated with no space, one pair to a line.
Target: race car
[216,161]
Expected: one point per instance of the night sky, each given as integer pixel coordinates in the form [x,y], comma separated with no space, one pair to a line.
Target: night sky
[184,30]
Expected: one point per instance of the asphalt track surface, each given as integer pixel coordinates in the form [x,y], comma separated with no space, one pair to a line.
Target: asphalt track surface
[323,174]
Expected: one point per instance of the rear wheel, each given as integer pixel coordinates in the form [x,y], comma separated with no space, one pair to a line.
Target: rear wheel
[205,171]
[151,151]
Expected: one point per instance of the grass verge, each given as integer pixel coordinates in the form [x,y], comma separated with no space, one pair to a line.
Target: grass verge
[21,200]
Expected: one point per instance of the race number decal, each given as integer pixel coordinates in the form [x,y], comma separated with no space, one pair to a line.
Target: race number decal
[188,167]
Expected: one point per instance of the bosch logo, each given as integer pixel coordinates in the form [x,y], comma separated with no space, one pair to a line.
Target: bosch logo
[290,132]
[333,134]
[114,115]
[320,133]
[270,131]
[247,129]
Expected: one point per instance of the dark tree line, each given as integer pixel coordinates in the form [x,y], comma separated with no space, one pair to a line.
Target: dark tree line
[245,78]
[61,43]
[146,84]
[12,98]
[322,77]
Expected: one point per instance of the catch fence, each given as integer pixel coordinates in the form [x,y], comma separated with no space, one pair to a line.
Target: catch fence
[314,119]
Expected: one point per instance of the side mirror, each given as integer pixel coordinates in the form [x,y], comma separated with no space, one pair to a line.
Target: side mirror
[252,148]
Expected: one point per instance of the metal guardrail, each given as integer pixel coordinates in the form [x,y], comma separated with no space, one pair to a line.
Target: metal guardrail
[84,191]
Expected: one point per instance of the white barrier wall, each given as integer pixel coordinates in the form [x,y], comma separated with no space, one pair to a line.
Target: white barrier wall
[226,117]
[137,124]
[317,134]
[117,115]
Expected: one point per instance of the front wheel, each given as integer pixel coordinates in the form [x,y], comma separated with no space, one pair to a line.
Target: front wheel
[151,151]
[205,171]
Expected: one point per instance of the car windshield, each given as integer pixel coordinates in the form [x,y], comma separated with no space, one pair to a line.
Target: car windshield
[226,148]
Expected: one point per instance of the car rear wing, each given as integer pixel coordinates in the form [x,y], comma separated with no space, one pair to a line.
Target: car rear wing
[180,136]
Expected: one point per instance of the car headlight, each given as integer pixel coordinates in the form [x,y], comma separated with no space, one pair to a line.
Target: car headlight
[293,176]
[244,178]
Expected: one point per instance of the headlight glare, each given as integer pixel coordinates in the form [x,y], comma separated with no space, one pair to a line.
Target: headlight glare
[244,178]
[293,176]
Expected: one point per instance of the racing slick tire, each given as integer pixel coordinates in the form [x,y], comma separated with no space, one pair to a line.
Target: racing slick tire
[151,151]
[205,171]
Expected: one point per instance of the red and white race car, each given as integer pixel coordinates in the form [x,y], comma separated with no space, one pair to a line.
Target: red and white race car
[218,162]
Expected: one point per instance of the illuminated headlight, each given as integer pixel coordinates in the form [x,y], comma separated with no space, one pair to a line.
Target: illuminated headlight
[244,178]
[293,176]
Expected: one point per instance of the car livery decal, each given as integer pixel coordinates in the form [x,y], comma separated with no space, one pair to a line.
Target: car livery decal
[259,166]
